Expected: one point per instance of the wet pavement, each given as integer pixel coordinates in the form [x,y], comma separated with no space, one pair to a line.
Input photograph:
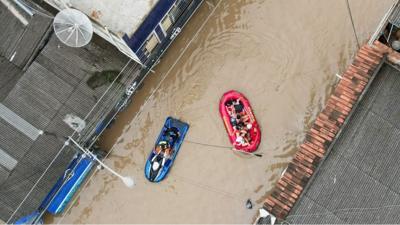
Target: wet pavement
[282,55]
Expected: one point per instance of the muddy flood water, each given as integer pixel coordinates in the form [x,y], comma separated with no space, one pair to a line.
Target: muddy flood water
[283,55]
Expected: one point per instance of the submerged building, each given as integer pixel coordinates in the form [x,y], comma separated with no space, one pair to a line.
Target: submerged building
[346,170]
[47,89]
[141,29]
[43,81]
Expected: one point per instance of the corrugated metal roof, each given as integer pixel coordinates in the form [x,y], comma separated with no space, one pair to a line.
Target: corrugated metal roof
[19,123]
[17,41]
[7,161]
[124,17]
[55,84]
[358,182]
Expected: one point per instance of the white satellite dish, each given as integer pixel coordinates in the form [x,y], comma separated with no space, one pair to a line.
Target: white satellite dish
[73,28]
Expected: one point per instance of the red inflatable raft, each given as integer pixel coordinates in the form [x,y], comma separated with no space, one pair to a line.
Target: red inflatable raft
[249,127]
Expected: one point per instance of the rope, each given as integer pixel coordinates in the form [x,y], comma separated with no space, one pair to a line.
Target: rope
[209,145]
[352,22]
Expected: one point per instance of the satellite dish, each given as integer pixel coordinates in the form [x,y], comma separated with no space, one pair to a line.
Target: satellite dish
[73,28]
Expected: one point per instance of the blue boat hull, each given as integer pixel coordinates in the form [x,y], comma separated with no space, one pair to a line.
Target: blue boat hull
[183,129]
[30,219]
[63,191]
[61,195]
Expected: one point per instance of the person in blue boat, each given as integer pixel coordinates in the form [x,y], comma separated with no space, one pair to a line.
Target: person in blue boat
[165,149]
[172,134]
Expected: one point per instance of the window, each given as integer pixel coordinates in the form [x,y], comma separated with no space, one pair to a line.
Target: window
[174,13]
[171,16]
[151,43]
[166,23]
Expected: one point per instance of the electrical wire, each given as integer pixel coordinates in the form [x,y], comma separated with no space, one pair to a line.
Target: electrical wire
[34,186]
[62,148]
[66,177]
[118,92]
[71,204]
[352,23]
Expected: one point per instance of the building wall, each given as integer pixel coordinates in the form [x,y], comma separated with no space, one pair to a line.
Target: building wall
[149,24]
[179,11]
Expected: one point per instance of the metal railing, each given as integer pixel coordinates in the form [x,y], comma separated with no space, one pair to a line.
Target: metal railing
[383,23]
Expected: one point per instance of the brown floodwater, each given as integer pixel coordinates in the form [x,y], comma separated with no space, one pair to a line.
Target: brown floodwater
[282,54]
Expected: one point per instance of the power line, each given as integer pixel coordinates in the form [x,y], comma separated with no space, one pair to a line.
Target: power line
[62,148]
[131,69]
[110,101]
[85,118]
[71,204]
[36,183]
[352,23]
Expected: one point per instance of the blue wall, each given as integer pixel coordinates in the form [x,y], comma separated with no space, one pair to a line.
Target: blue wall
[148,25]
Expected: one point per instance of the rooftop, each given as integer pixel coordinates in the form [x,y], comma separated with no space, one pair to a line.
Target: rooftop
[326,129]
[124,17]
[358,182]
[41,82]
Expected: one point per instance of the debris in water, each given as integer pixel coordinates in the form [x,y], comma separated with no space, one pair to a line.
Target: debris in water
[249,204]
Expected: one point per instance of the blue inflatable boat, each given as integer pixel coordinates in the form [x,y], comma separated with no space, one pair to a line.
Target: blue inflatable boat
[68,184]
[63,191]
[33,218]
[165,150]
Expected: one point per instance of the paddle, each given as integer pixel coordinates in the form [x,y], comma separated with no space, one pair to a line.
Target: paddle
[225,147]
[248,153]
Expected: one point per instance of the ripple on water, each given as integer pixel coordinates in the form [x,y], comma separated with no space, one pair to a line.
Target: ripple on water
[138,143]
[293,58]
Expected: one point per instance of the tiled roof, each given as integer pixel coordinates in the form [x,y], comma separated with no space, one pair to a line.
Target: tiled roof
[358,182]
[324,131]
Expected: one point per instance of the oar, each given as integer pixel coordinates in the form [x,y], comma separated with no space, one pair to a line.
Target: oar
[249,153]
[225,147]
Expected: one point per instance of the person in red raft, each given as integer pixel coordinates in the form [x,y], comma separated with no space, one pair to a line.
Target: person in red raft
[239,121]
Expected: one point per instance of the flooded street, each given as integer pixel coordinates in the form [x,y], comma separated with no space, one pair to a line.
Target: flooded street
[282,55]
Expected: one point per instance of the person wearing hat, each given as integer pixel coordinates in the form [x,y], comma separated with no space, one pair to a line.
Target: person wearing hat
[238,106]
[172,134]
[242,140]
[163,148]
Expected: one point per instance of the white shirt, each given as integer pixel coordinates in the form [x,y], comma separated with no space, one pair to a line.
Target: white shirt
[239,139]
